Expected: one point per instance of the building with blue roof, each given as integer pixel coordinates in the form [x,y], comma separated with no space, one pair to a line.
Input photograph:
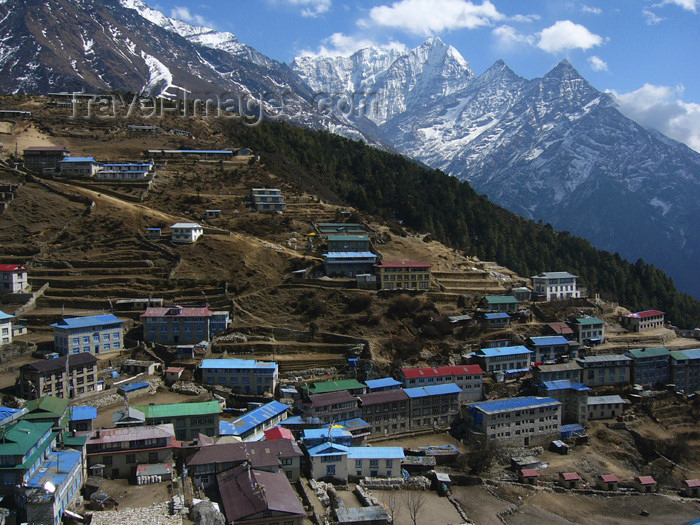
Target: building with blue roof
[81,418]
[331,460]
[382,385]
[78,167]
[97,334]
[573,397]
[504,358]
[241,375]
[348,264]
[433,405]
[494,320]
[126,171]
[516,421]
[252,425]
[551,348]
[313,437]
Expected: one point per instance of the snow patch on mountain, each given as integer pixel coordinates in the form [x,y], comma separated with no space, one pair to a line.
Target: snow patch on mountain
[160,76]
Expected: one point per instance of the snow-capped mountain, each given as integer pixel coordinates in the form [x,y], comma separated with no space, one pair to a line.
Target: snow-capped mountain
[552,148]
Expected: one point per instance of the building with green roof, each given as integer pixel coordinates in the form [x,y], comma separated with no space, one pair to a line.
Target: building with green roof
[500,303]
[189,419]
[589,330]
[353,386]
[348,243]
[685,369]
[22,449]
[49,409]
[650,366]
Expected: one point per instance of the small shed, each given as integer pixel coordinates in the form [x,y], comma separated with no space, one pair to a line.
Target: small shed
[132,388]
[607,482]
[154,473]
[528,476]
[134,366]
[173,374]
[569,480]
[692,488]
[212,214]
[560,447]
[645,484]
[81,418]
[153,233]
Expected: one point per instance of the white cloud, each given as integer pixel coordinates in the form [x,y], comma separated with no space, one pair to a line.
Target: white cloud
[429,17]
[597,64]
[340,44]
[565,35]
[661,108]
[688,5]
[650,17]
[509,39]
[184,14]
[311,8]
[591,10]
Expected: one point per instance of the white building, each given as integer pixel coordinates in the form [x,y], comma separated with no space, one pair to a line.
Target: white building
[517,421]
[186,232]
[13,278]
[641,321]
[469,378]
[555,285]
[241,375]
[331,460]
[504,358]
[5,328]
[79,167]
[605,407]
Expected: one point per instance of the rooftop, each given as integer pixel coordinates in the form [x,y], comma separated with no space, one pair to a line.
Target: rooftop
[344,238]
[186,225]
[385,382]
[681,355]
[87,321]
[513,403]
[387,396]
[12,268]
[570,476]
[549,340]
[641,353]
[331,398]
[78,159]
[560,328]
[375,453]
[554,275]
[433,390]
[350,255]
[411,373]
[496,315]
[529,473]
[252,419]
[83,413]
[261,453]
[559,367]
[605,400]
[609,478]
[645,480]
[46,406]
[20,437]
[588,321]
[404,264]
[323,387]
[501,299]
[564,384]
[503,350]
[177,311]
[50,365]
[180,409]
[646,313]
[603,358]
[122,434]
[236,364]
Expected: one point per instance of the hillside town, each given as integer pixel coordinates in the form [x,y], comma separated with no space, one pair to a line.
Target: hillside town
[141,378]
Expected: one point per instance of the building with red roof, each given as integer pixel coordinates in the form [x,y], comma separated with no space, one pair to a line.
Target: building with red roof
[569,480]
[177,325]
[692,488]
[275,433]
[469,378]
[403,275]
[641,321]
[13,278]
[645,484]
[528,475]
[607,482]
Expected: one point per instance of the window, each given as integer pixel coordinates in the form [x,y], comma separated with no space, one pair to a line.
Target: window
[373,463]
[330,470]
[153,457]
[131,458]
[358,463]
[107,460]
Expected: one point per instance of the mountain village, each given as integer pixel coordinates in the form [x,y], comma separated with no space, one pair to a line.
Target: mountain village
[239,350]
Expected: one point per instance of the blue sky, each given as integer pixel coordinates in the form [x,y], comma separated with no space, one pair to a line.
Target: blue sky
[646,52]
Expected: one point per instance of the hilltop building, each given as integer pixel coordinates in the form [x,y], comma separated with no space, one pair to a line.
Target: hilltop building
[403,275]
[469,378]
[348,264]
[42,158]
[268,199]
[551,348]
[85,167]
[504,359]
[555,285]
[605,370]
[179,325]
[13,278]
[185,232]
[433,406]
[348,243]
[685,370]
[252,425]
[500,303]
[589,330]
[642,321]
[97,334]
[6,331]
[188,419]
[650,366]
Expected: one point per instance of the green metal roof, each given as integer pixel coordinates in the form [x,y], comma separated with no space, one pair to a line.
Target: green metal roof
[348,238]
[75,441]
[20,437]
[501,299]
[180,409]
[640,353]
[586,321]
[47,406]
[335,386]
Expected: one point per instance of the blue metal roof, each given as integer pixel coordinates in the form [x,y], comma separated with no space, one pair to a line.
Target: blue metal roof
[87,322]
[4,316]
[292,421]
[83,413]
[328,449]
[432,390]
[499,315]
[325,433]
[134,386]
[55,469]
[252,419]
[503,350]
[564,384]
[242,364]
[78,159]
[549,340]
[349,255]
[375,453]
[385,382]
[513,403]
[350,424]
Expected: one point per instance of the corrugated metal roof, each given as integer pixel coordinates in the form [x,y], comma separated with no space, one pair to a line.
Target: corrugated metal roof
[646,313]
[350,255]
[603,358]
[564,384]
[554,275]
[252,419]
[587,321]
[83,413]
[325,433]
[682,355]
[328,449]
[375,453]
[87,321]
[385,382]
[323,387]
[12,268]
[134,386]
[118,435]
[433,390]
[387,396]
[609,478]
[177,311]
[78,159]
[514,403]
[413,373]
[501,299]
[503,350]
[235,364]
[186,225]
[549,340]
[20,437]
[570,476]
[180,409]
[605,400]
[496,315]
[348,238]
[641,353]
[646,480]
[404,264]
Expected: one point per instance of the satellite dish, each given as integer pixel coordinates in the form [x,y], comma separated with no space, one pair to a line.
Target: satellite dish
[49,487]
